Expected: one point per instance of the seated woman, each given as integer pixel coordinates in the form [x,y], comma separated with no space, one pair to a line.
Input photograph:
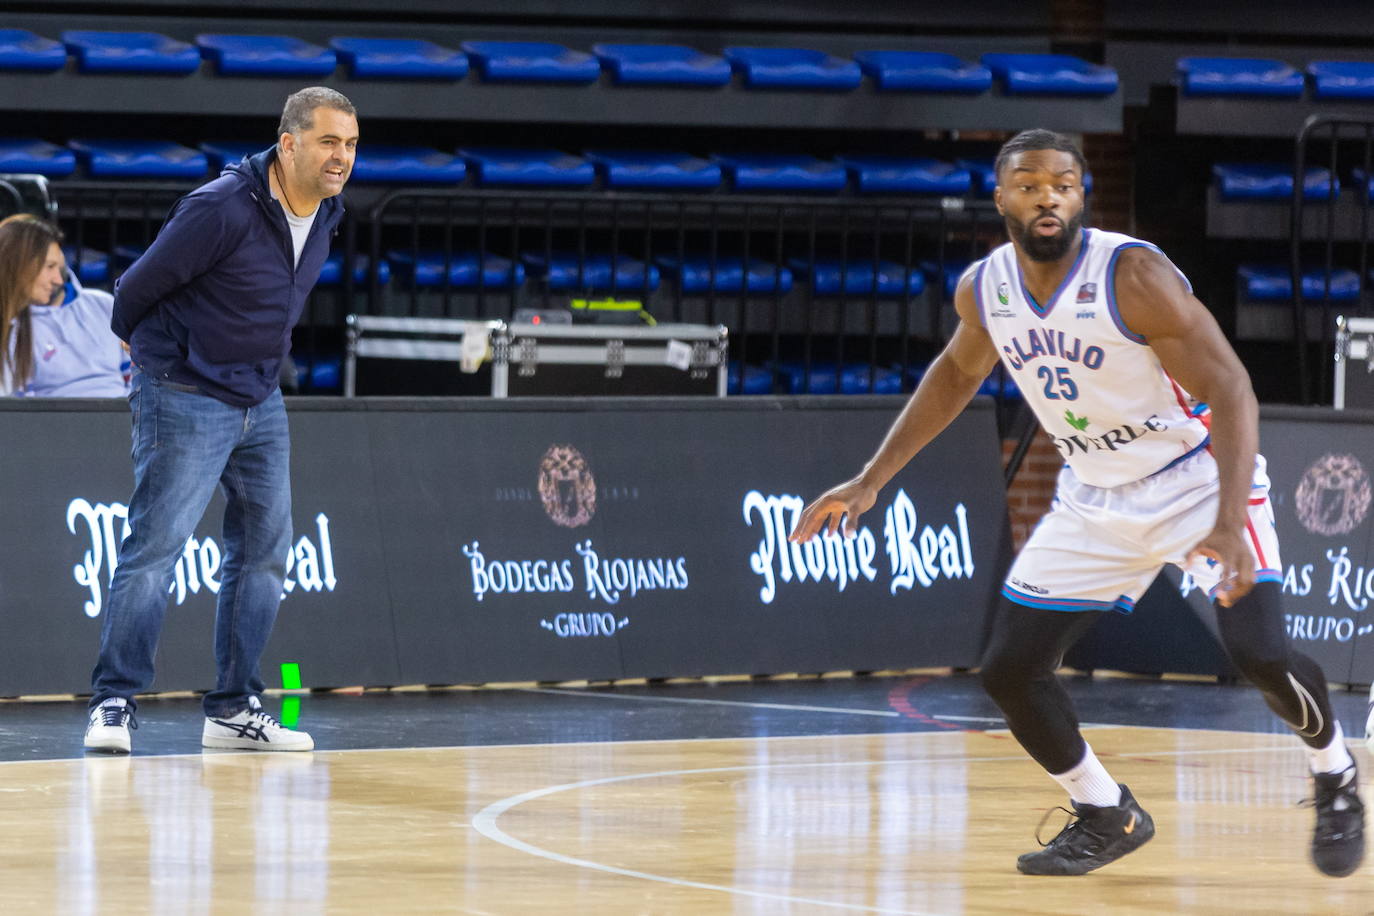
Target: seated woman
[55,337]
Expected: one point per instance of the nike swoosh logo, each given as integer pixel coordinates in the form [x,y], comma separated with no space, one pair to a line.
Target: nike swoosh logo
[1130,828]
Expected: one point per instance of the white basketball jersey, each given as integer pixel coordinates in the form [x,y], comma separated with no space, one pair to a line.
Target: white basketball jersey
[1098,389]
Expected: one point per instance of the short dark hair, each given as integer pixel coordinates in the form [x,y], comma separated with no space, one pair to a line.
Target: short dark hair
[299,112]
[1037,138]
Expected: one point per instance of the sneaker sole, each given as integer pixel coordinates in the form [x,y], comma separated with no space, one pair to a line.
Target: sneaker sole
[109,746]
[248,744]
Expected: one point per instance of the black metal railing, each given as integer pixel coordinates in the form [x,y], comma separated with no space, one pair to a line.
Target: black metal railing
[1338,236]
[799,280]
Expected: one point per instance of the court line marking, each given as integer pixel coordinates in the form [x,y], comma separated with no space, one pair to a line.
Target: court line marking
[484,822]
[885,713]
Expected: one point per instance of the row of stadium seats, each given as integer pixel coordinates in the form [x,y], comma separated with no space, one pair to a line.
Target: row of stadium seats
[546,62]
[1274,182]
[1266,78]
[620,169]
[1274,283]
[849,378]
[563,271]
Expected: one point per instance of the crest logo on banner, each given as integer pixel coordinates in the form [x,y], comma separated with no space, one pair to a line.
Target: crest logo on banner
[1333,496]
[567,487]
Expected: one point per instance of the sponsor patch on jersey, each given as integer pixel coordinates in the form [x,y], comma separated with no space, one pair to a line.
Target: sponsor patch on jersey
[1003,293]
[1087,292]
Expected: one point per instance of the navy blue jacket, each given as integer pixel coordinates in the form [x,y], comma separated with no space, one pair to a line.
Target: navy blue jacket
[212,301]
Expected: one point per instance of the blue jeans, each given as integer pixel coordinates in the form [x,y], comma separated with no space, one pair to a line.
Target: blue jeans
[184,443]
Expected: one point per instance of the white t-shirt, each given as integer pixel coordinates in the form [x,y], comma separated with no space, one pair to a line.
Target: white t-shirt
[300,229]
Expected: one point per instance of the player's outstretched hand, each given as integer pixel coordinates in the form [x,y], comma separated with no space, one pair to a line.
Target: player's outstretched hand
[1230,552]
[847,501]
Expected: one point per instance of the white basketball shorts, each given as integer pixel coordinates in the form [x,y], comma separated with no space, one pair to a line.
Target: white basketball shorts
[1099,548]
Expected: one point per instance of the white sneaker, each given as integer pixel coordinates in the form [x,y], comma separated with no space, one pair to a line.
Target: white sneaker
[253,730]
[109,725]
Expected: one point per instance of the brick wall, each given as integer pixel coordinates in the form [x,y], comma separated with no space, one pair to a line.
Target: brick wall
[1030,493]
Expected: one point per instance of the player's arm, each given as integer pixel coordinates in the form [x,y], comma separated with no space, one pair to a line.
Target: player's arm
[190,242]
[1155,303]
[944,391]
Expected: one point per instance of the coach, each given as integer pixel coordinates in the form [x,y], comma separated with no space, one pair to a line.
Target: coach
[208,312]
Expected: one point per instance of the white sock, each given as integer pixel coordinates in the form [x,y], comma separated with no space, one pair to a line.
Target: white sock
[1089,783]
[1334,758]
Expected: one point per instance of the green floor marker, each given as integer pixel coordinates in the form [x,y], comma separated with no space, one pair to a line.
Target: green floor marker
[290,710]
[291,676]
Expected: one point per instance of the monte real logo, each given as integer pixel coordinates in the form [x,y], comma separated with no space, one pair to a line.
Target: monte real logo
[1333,496]
[566,486]
[915,555]
[309,563]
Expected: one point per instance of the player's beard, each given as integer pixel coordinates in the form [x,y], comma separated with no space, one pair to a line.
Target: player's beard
[1041,247]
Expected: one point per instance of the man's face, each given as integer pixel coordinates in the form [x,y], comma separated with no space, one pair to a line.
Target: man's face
[51,277]
[321,159]
[1040,195]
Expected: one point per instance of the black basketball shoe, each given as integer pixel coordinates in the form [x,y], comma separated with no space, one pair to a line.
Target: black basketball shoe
[1338,840]
[1093,837]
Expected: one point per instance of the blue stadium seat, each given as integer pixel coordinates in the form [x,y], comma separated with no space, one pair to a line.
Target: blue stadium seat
[694,274]
[744,379]
[1261,181]
[773,172]
[858,278]
[465,269]
[1243,76]
[21,49]
[1051,74]
[983,176]
[124,255]
[139,159]
[92,267]
[1342,79]
[662,65]
[794,68]
[266,55]
[532,62]
[131,52]
[561,272]
[320,373]
[900,174]
[853,378]
[399,164]
[399,59]
[953,270]
[221,153]
[36,156]
[923,71]
[332,272]
[528,167]
[630,169]
[1274,283]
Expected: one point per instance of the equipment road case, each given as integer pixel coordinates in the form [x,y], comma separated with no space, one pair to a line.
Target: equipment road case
[418,356]
[1354,357]
[586,360]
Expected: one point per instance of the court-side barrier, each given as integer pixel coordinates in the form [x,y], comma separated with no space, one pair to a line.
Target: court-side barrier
[461,541]
[1319,464]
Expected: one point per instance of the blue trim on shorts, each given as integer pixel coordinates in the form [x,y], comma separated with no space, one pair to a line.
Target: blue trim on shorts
[1185,456]
[1123,604]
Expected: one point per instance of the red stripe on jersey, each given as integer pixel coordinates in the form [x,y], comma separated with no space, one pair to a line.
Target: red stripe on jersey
[1254,539]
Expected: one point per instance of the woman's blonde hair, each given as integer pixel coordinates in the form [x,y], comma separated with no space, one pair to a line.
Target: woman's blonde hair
[24,243]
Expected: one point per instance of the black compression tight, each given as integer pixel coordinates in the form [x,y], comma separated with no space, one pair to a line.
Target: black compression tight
[1029,644]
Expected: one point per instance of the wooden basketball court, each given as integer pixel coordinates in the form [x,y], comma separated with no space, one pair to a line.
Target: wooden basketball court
[923,822]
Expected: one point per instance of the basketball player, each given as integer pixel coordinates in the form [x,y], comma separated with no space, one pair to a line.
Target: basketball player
[1121,365]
